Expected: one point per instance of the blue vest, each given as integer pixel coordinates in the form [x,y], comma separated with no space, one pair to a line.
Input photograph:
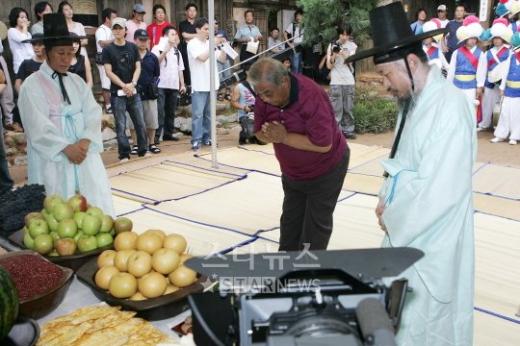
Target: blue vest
[515,27]
[465,68]
[513,76]
[494,64]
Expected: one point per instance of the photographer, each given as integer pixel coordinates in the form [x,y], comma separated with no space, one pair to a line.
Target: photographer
[342,83]
[243,100]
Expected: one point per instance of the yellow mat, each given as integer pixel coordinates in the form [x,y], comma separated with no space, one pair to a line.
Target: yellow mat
[492,331]
[202,240]
[497,206]
[124,205]
[165,181]
[498,181]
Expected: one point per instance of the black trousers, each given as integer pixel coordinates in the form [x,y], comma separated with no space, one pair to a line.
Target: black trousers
[307,209]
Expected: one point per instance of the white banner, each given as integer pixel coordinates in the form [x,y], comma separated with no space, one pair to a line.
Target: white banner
[483,13]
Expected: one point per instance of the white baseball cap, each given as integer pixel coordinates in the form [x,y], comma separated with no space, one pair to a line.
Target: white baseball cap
[442,8]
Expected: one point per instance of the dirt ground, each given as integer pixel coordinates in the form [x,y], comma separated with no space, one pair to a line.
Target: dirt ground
[501,153]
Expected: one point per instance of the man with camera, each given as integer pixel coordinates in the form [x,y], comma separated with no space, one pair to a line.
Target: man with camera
[342,81]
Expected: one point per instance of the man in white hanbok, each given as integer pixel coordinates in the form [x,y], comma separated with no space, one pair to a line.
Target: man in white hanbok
[63,124]
[426,200]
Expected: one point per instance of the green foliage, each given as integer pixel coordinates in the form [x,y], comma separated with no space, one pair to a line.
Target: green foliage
[322,17]
[373,113]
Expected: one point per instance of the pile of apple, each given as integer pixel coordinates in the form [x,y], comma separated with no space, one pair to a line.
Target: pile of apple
[144,266]
[65,228]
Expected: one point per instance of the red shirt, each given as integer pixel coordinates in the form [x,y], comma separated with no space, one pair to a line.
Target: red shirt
[155,32]
[309,113]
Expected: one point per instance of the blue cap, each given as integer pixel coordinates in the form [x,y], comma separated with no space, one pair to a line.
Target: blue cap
[139,8]
[501,10]
[486,35]
[140,34]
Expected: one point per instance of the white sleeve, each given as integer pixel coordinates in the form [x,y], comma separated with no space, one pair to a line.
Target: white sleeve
[481,70]
[453,65]
[506,72]
[17,36]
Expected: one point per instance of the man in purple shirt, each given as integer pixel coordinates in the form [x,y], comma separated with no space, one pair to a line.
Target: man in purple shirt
[295,114]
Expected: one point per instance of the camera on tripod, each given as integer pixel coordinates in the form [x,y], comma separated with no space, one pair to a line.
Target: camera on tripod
[332,298]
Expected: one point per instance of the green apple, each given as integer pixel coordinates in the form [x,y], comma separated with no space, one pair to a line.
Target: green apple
[91,224]
[87,243]
[78,203]
[78,217]
[37,227]
[43,244]
[78,235]
[67,228]
[94,211]
[106,224]
[33,215]
[62,211]
[55,236]
[50,201]
[104,239]
[123,224]
[28,241]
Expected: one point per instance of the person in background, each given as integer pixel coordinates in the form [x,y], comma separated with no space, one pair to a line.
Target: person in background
[7,97]
[198,53]
[273,40]
[171,83]
[18,36]
[342,82]
[123,66]
[450,42]
[496,55]
[420,18]
[41,8]
[6,182]
[247,32]
[243,100]
[76,27]
[295,114]
[188,32]
[467,68]
[135,23]
[223,67]
[147,89]
[159,23]
[442,15]
[79,64]
[509,121]
[104,38]
[286,61]
[29,66]
[63,124]
[431,48]
[295,31]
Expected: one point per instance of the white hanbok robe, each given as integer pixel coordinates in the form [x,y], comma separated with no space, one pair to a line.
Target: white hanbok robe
[429,206]
[51,124]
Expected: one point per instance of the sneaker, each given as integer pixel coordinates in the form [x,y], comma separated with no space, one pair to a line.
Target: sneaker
[497,140]
[147,154]
[195,146]
[124,159]
[134,150]
[170,138]
[350,135]
[513,142]
[480,129]
[109,110]
[207,143]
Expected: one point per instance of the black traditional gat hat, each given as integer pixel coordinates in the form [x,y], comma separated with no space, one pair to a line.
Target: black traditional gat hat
[392,35]
[55,29]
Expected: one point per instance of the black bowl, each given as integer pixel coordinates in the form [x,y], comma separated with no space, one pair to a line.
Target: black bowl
[43,304]
[73,262]
[152,309]
[24,333]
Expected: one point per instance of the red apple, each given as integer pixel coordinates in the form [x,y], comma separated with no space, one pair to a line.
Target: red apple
[65,247]
[123,224]
[78,203]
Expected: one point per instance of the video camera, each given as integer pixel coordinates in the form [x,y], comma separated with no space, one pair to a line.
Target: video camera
[335,47]
[284,299]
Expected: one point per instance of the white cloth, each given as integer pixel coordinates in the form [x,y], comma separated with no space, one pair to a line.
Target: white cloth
[509,121]
[131,28]
[37,28]
[272,42]
[170,67]
[297,31]
[489,100]
[481,68]
[199,70]
[444,22]
[51,124]
[341,73]
[19,50]
[103,33]
[79,30]
[105,81]
[429,206]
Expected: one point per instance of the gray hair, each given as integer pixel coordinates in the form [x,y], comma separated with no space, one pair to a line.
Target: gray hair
[267,70]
